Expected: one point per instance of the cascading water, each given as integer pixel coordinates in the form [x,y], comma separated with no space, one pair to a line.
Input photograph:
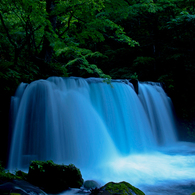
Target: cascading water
[108,131]
[159,111]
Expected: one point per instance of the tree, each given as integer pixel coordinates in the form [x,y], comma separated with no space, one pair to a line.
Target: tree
[49,30]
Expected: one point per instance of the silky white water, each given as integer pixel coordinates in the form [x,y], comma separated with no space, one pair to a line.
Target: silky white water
[106,130]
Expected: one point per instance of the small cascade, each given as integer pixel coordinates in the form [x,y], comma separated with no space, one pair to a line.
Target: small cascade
[159,112]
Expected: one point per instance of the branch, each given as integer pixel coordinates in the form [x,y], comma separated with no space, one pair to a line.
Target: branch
[40,42]
[37,28]
[127,2]
[7,32]
[21,18]
[71,15]
[79,19]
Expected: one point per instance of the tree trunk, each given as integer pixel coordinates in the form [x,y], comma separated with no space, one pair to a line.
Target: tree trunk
[155,43]
[47,50]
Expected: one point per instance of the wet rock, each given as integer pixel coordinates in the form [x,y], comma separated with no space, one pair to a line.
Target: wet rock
[91,184]
[20,187]
[9,187]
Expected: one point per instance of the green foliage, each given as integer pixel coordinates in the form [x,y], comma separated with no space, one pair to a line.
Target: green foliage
[143,61]
[40,165]
[168,80]
[27,27]
[5,175]
[134,76]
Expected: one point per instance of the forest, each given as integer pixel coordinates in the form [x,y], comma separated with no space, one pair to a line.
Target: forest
[147,40]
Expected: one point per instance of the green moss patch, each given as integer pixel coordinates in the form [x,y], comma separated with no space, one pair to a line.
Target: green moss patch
[122,188]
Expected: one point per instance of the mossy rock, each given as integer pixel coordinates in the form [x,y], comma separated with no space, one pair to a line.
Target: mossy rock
[193,193]
[6,176]
[54,178]
[122,188]
[21,175]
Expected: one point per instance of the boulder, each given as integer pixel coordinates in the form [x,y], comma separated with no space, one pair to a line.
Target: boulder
[135,85]
[21,175]
[91,184]
[53,178]
[122,188]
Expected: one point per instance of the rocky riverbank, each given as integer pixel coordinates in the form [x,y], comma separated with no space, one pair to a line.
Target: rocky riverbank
[46,177]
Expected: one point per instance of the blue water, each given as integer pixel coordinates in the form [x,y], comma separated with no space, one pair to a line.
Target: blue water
[108,131]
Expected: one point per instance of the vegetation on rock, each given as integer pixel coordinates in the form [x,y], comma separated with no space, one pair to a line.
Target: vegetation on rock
[54,178]
[6,176]
[121,188]
[46,175]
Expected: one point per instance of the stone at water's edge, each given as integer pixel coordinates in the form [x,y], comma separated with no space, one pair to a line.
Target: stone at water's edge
[20,187]
[122,188]
[91,184]
[53,178]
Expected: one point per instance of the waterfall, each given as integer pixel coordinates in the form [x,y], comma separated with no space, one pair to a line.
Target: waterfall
[106,130]
[69,120]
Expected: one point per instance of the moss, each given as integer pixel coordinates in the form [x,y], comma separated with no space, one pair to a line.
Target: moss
[5,175]
[21,175]
[52,177]
[122,188]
